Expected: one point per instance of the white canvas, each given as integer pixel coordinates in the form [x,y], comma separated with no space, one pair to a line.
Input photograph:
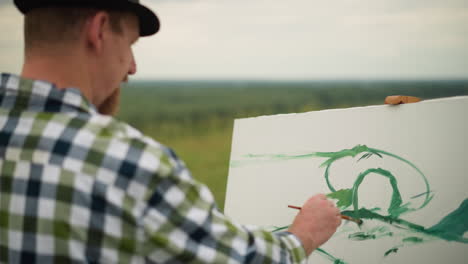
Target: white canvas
[276,161]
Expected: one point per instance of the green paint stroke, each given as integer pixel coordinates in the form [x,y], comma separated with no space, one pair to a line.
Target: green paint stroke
[249,159]
[392,250]
[374,233]
[330,256]
[396,208]
[419,195]
[281,228]
[397,222]
[414,240]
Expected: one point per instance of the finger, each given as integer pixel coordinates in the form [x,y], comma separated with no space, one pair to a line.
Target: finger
[338,212]
[338,222]
[321,196]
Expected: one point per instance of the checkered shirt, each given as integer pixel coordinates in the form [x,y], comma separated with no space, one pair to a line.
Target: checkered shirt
[77,186]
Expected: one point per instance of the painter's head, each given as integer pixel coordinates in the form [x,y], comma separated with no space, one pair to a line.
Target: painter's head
[102,32]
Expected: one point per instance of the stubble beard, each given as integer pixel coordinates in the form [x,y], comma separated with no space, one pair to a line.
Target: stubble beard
[110,106]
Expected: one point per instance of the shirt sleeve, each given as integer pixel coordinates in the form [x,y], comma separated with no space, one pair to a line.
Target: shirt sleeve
[182,224]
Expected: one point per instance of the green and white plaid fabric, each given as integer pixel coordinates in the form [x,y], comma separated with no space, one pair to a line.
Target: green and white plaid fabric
[77,186]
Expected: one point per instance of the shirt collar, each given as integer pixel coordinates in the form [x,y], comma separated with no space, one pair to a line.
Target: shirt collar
[37,95]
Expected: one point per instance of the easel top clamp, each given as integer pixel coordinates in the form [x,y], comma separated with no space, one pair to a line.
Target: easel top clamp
[401,99]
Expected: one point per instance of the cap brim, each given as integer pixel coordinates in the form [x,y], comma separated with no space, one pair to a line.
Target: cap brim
[149,22]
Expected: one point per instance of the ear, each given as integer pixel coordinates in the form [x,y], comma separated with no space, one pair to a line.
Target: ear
[96,31]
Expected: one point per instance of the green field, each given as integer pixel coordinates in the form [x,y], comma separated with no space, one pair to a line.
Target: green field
[195,118]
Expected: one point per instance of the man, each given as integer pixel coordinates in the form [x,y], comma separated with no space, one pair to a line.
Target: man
[76,185]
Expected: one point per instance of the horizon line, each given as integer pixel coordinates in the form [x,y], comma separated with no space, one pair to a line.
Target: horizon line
[460,79]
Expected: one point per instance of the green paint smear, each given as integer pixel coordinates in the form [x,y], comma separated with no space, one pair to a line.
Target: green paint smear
[344,197]
[413,239]
[451,228]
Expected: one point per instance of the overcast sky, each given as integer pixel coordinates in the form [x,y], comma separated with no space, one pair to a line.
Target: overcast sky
[290,39]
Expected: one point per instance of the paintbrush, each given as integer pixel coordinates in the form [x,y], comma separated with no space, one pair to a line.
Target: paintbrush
[345,217]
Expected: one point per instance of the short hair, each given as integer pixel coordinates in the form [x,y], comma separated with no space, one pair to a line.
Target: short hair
[53,25]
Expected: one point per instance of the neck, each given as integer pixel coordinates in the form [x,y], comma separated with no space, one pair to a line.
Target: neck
[64,71]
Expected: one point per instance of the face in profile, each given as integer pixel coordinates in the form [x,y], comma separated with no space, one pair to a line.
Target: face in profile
[119,62]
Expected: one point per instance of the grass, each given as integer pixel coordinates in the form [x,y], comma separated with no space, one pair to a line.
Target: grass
[196,118]
[207,156]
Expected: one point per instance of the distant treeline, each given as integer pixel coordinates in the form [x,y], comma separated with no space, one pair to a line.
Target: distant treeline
[196,118]
[177,108]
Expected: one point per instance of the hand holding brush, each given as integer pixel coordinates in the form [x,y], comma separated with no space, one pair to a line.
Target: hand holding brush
[316,222]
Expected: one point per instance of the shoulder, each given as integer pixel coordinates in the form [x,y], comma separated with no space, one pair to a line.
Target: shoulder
[122,156]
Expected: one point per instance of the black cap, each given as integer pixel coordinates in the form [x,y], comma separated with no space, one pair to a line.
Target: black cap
[149,22]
